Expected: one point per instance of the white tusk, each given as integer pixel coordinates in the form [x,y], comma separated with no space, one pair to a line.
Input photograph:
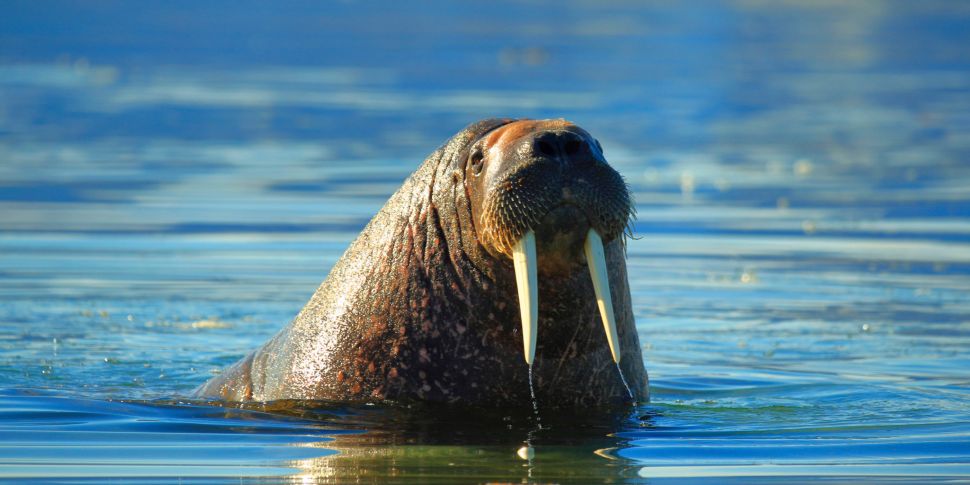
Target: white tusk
[526,279]
[596,260]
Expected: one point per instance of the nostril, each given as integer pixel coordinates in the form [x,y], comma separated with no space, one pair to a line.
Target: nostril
[572,147]
[556,144]
[545,148]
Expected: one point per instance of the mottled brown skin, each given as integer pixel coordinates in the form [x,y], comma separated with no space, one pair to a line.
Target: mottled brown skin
[423,305]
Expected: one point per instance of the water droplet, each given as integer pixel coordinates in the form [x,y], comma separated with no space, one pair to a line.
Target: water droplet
[748,276]
[627,386]
[809,227]
[802,167]
[687,185]
[535,403]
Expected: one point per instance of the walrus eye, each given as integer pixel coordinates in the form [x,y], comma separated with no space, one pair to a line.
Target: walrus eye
[477,160]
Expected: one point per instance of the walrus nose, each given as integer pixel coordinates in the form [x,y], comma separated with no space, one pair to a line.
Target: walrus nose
[566,146]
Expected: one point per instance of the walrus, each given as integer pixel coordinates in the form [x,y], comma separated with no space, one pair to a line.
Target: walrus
[507,242]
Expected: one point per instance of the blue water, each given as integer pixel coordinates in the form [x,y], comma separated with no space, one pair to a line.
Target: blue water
[176,180]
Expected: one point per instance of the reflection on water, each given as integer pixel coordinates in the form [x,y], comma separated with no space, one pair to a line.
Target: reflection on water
[444,445]
[175,182]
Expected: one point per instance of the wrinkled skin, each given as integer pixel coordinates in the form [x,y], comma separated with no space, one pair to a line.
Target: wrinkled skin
[423,304]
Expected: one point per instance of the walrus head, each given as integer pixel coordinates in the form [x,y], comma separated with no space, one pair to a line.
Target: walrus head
[543,195]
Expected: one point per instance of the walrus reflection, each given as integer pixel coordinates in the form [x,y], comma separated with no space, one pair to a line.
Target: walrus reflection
[424,445]
[502,251]
[422,463]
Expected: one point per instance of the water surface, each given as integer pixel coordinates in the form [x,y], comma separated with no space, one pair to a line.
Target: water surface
[176,181]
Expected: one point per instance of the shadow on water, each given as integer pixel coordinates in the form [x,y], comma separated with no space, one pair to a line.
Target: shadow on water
[423,443]
[50,436]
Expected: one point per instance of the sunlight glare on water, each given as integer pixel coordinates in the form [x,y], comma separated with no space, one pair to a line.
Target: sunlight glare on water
[176,182]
